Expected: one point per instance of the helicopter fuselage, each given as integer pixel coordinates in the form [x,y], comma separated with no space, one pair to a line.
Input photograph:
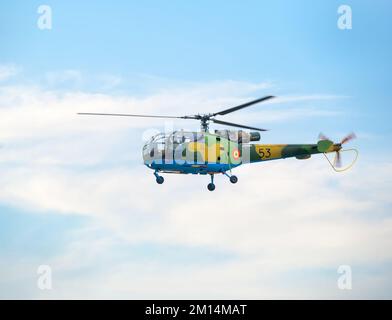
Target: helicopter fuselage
[213,153]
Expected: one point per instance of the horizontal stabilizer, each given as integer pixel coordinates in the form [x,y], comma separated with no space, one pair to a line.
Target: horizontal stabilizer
[303,156]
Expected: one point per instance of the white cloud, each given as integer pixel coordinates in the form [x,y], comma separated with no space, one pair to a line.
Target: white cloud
[110,81]
[8,71]
[35,113]
[56,78]
[281,217]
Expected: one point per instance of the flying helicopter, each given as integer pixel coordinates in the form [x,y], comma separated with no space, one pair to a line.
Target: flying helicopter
[218,152]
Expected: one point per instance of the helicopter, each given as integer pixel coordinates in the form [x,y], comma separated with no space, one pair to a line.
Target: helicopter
[218,152]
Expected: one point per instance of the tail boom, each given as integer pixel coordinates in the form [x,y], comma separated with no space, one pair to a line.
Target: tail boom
[265,152]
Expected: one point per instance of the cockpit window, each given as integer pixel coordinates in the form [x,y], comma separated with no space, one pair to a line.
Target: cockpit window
[176,138]
[180,137]
[198,136]
[159,138]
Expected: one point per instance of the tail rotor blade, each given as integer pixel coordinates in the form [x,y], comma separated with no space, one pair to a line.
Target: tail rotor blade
[338,160]
[348,138]
[322,136]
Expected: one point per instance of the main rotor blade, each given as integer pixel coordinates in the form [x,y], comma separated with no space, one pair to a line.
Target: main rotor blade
[133,115]
[223,112]
[236,125]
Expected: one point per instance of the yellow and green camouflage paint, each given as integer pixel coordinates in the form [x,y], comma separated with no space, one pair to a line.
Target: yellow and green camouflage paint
[263,152]
[220,153]
[216,149]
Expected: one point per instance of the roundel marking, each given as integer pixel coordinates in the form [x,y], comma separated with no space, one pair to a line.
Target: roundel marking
[236,154]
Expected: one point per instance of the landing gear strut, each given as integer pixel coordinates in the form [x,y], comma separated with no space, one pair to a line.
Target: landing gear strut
[211,186]
[159,178]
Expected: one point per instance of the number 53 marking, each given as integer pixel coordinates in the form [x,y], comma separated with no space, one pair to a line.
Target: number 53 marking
[265,153]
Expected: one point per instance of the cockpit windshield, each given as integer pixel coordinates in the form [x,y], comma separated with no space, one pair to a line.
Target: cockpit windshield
[176,137]
[159,138]
[166,146]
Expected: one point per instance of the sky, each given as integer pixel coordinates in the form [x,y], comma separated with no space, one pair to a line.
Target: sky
[75,195]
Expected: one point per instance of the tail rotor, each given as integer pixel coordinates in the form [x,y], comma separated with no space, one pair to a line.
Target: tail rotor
[338,157]
[337,162]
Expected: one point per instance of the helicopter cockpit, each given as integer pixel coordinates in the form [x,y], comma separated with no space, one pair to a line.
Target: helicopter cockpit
[161,143]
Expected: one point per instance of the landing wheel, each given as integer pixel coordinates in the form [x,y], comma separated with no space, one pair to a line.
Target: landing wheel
[211,187]
[233,179]
[160,180]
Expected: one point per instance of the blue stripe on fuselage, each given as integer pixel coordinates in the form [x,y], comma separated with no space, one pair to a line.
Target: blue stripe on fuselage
[191,168]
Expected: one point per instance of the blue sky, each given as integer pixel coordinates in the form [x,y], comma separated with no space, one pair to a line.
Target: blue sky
[72,185]
[295,46]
